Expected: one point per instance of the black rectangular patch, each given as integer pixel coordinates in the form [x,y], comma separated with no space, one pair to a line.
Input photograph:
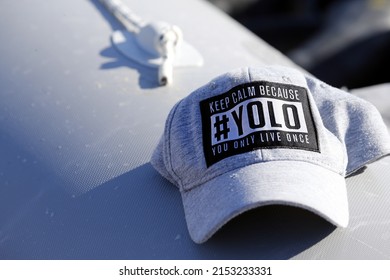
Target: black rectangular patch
[257,115]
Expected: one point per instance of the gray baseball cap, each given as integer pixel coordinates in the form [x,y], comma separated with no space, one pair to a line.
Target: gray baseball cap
[267,135]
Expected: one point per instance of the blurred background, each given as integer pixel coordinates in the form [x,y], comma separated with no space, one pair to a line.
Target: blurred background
[345,43]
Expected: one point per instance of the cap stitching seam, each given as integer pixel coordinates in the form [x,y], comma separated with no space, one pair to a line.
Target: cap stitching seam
[169,125]
[238,167]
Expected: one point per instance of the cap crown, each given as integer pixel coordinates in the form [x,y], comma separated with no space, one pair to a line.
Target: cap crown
[253,115]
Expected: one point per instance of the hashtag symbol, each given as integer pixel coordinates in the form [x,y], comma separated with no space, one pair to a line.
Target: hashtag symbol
[221,127]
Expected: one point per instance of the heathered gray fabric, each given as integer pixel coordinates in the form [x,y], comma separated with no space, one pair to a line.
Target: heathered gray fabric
[350,133]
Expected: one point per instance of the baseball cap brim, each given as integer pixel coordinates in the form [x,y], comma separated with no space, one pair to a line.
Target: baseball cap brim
[211,205]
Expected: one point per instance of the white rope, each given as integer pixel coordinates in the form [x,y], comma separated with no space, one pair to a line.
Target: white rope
[123,13]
